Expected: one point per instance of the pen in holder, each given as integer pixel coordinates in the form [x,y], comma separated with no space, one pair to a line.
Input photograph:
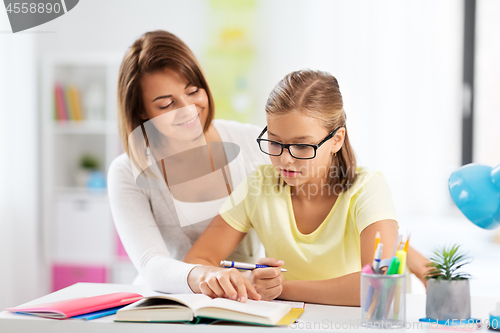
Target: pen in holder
[383,300]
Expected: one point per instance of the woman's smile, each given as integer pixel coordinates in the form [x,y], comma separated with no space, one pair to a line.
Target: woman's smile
[190,122]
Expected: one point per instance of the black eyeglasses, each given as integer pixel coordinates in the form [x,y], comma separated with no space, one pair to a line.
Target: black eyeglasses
[302,151]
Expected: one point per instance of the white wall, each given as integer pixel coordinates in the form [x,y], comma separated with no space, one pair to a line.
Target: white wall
[399,68]
[487,84]
[19,237]
[95,25]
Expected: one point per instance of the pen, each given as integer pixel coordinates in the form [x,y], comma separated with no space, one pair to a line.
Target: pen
[374,285]
[378,256]
[396,246]
[244,265]
[407,244]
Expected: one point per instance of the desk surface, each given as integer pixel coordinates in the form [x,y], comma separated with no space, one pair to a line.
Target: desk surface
[315,317]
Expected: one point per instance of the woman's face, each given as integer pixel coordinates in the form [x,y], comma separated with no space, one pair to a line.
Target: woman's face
[297,128]
[165,92]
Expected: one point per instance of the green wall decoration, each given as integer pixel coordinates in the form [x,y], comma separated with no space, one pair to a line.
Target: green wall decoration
[230,56]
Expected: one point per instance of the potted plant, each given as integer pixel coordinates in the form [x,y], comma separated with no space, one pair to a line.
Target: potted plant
[88,164]
[448,291]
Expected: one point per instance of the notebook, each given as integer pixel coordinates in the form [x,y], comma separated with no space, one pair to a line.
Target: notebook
[159,307]
[77,306]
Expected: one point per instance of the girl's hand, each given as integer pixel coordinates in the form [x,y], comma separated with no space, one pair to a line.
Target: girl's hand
[417,264]
[268,281]
[221,282]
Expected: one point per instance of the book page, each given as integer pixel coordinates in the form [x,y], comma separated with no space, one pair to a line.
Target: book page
[257,308]
[294,305]
[193,301]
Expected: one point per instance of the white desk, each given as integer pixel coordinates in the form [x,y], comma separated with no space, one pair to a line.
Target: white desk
[315,317]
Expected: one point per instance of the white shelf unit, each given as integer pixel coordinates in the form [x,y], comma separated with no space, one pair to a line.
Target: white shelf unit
[79,239]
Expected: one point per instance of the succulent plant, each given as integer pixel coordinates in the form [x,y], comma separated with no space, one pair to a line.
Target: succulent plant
[89,161]
[445,263]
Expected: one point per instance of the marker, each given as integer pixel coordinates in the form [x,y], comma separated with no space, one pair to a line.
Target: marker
[374,285]
[244,265]
[394,267]
[378,256]
[401,255]
[377,240]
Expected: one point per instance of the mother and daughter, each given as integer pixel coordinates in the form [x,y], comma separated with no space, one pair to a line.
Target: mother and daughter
[298,190]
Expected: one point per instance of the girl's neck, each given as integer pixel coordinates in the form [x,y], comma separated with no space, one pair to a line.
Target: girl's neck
[314,191]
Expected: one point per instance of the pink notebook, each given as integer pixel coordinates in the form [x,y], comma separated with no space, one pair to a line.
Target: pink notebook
[77,306]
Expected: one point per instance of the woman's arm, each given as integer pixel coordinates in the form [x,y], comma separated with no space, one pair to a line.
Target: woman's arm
[139,232]
[344,290]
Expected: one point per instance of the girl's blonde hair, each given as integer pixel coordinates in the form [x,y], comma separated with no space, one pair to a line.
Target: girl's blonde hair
[316,94]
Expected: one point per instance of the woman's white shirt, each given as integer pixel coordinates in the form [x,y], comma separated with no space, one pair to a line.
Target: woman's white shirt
[153,229]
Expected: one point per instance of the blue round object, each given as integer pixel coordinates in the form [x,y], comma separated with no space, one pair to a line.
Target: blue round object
[475,189]
[96,180]
[495,321]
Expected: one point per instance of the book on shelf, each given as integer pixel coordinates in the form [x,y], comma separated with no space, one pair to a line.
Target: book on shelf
[159,307]
[75,100]
[67,104]
[60,103]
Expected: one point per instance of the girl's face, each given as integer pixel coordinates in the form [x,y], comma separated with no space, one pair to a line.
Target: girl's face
[298,128]
[165,91]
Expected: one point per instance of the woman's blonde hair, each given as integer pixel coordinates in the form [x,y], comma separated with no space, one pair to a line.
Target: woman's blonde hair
[153,51]
[316,94]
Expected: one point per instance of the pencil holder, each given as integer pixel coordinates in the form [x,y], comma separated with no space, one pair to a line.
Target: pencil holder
[383,300]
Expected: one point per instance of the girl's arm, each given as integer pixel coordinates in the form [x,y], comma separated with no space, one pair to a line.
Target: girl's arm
[344,290]
[215,244]
[416,262]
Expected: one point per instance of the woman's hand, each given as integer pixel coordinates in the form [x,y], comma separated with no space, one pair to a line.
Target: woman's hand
[221,282]
[268,281]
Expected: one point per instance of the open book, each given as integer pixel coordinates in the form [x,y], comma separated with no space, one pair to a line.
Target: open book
[159,307]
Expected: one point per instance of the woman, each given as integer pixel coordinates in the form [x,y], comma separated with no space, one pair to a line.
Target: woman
[159,74]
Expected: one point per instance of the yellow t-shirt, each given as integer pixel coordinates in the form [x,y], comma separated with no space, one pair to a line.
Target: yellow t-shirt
[333,249]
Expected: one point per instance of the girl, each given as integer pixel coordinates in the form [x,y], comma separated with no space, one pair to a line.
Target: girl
[314,210]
